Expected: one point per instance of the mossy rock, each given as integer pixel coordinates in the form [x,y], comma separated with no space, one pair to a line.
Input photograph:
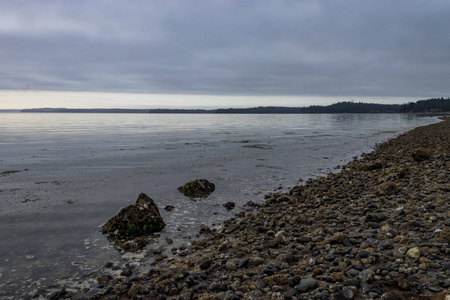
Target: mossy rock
[421,154]
[199,188]
[388,188]
[136,220]
[444,235]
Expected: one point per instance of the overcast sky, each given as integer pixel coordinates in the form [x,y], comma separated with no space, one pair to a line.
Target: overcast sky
[232,52]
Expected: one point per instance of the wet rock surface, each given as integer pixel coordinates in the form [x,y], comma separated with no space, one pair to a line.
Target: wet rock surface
[379,229]
[198,188]
[134,222]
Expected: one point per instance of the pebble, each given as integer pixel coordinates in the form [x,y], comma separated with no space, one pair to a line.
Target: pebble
[413,253]
[363,253]
[306,284]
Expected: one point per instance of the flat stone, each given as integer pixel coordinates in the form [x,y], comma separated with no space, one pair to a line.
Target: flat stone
[243,262]
[386,245]
[290,293]
[363,253]
[198,287]
[352,282]
[306,284]
[374,225]
[230,265]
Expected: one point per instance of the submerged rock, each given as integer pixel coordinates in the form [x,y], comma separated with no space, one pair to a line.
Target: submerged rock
[169,207]
[136,220]
[199,188]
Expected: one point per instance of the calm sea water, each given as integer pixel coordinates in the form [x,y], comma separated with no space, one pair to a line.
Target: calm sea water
[77,170]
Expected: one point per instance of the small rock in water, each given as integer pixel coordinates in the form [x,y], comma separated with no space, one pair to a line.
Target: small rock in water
[169,207]
[229,205]
[199,188]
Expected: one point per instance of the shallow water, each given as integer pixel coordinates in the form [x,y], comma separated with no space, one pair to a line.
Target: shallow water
[77,170]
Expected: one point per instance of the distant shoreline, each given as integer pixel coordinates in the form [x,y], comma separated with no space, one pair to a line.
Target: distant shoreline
[438,106]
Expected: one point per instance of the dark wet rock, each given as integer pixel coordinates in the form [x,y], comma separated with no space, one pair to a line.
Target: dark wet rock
[337,238]
[218,287]
[134,245]
[198,188]
[169,208]
[104,279]
[352,282]
[363,253]
[387,188]
[444,235]
[306,284]
[421,154]
[229,205]
[387,245]
[349,292]
[198,287]
[374,225]
[290,293]
[205,264]
[136,220]
[353,272]
[243,262]
[304,240]
[173,291]
[268,272]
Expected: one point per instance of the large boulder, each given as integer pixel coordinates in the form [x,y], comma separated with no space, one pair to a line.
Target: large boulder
[136,220]
[199,188]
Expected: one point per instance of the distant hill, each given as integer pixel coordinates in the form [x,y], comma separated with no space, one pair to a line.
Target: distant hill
[431,105]
[435,105]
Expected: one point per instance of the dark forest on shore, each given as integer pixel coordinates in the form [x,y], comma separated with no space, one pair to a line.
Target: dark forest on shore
[434,105]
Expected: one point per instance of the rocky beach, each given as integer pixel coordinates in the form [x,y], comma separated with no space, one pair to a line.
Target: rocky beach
[378,229]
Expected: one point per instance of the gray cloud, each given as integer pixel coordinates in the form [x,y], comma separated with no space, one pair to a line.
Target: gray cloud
[295,48]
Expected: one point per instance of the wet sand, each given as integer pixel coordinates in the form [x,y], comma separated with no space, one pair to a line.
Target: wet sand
[379,229]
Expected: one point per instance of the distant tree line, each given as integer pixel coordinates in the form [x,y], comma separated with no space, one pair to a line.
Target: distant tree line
[179,111]
[430,105]
[434,105]
[260,110]
[352,107]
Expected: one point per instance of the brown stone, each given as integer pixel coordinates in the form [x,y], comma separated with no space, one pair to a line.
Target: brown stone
[444,235]
[387,188]
[421,154]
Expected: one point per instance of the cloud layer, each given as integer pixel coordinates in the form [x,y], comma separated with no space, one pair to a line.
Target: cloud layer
[287,48]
